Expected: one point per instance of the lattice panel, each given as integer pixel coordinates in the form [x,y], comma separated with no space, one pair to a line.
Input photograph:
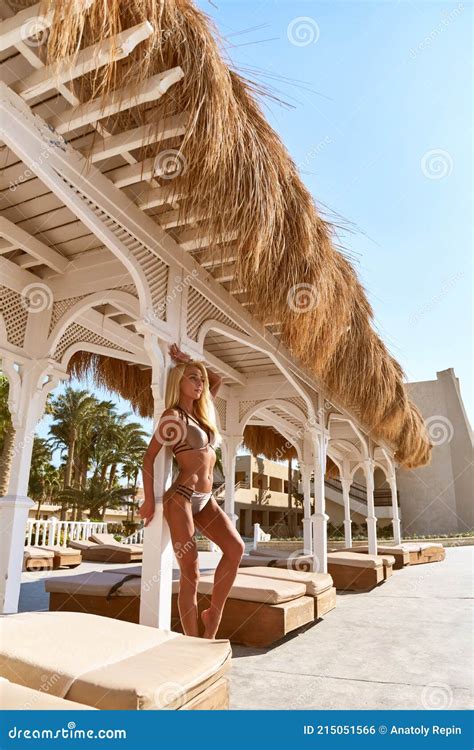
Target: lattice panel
[60,308]
[154,269]
[282,414]
[200,309]
[13,307]
[75,333]
[130,288]
[299,402]
[244,407]
[221,408]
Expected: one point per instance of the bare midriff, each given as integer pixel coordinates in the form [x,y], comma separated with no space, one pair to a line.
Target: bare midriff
[195,470]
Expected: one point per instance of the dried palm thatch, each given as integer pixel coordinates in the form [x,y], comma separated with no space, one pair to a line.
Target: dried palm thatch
[266,441]
[239,177]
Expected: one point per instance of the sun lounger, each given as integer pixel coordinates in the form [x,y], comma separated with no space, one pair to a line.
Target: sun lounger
[400,555]
[37,558]
[115,553]
[110,664]
[424,552]
[318,585]
[260,610]
[65,557]
[15,697]
[110,541]
[349,570]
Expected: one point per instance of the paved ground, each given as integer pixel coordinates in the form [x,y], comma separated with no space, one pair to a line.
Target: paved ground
[407,644]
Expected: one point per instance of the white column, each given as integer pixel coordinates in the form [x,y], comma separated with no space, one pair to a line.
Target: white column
[371,518]
[29,385]
[305,470]
[397,537]
[346,487]
[230,445]
[157,567]
[319,517]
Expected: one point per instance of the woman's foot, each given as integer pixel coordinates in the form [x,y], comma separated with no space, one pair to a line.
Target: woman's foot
[211,618]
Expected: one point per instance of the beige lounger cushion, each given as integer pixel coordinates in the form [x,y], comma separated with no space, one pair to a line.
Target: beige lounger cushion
[277,554]
[386,559]
[20,698]
[364,549]
[315,583]
[82,545]
[108,540]
[106,663]
[355,559]
[99,548]
[94,583]
[64,551]
[37,553]
[256,589]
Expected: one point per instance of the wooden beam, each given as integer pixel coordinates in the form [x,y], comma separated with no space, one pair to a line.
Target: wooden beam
[223,368]
[142,170]
[117,101]
[22,25]
[224,273]
[31,245]
[144,135]
[95,56]
[158,197]
[194,239]
[214,257]
[178,218]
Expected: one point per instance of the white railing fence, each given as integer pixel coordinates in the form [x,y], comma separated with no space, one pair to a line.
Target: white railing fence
[52,532]
[136,537]
[259,535]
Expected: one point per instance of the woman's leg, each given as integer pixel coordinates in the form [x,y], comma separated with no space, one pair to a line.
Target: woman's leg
[177,511]
[214,523]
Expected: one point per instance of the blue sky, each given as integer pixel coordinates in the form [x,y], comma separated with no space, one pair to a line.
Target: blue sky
[380,128]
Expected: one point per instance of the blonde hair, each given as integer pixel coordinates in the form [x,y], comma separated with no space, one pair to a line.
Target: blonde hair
[203,406]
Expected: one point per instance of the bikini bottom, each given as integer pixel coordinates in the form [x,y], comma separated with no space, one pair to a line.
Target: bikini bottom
[197,499]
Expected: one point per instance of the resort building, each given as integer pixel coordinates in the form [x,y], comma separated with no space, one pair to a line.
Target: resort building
[439,498]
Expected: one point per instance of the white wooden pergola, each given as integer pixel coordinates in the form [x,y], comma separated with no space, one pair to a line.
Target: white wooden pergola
[96,256]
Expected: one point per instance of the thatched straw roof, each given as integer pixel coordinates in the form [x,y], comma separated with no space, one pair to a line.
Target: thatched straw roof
[266,441]
[240,178]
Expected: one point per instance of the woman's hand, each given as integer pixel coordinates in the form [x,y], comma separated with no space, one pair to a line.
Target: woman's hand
[147,511]
[177,355]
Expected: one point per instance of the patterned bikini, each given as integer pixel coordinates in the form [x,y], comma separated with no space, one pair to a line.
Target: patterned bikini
[196,438]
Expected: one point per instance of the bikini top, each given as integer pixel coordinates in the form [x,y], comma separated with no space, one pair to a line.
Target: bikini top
[195,436]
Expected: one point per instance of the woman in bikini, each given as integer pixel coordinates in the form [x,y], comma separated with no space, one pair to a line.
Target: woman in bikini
[186,425]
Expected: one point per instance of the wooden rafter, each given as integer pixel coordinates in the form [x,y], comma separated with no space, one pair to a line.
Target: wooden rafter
[117,101]
[116,47]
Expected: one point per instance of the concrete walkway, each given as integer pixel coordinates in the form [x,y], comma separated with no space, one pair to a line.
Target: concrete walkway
[407,644]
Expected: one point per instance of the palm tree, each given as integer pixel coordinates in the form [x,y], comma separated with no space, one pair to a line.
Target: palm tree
[95,498]
[7,437]
[71,411]
[40,462]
